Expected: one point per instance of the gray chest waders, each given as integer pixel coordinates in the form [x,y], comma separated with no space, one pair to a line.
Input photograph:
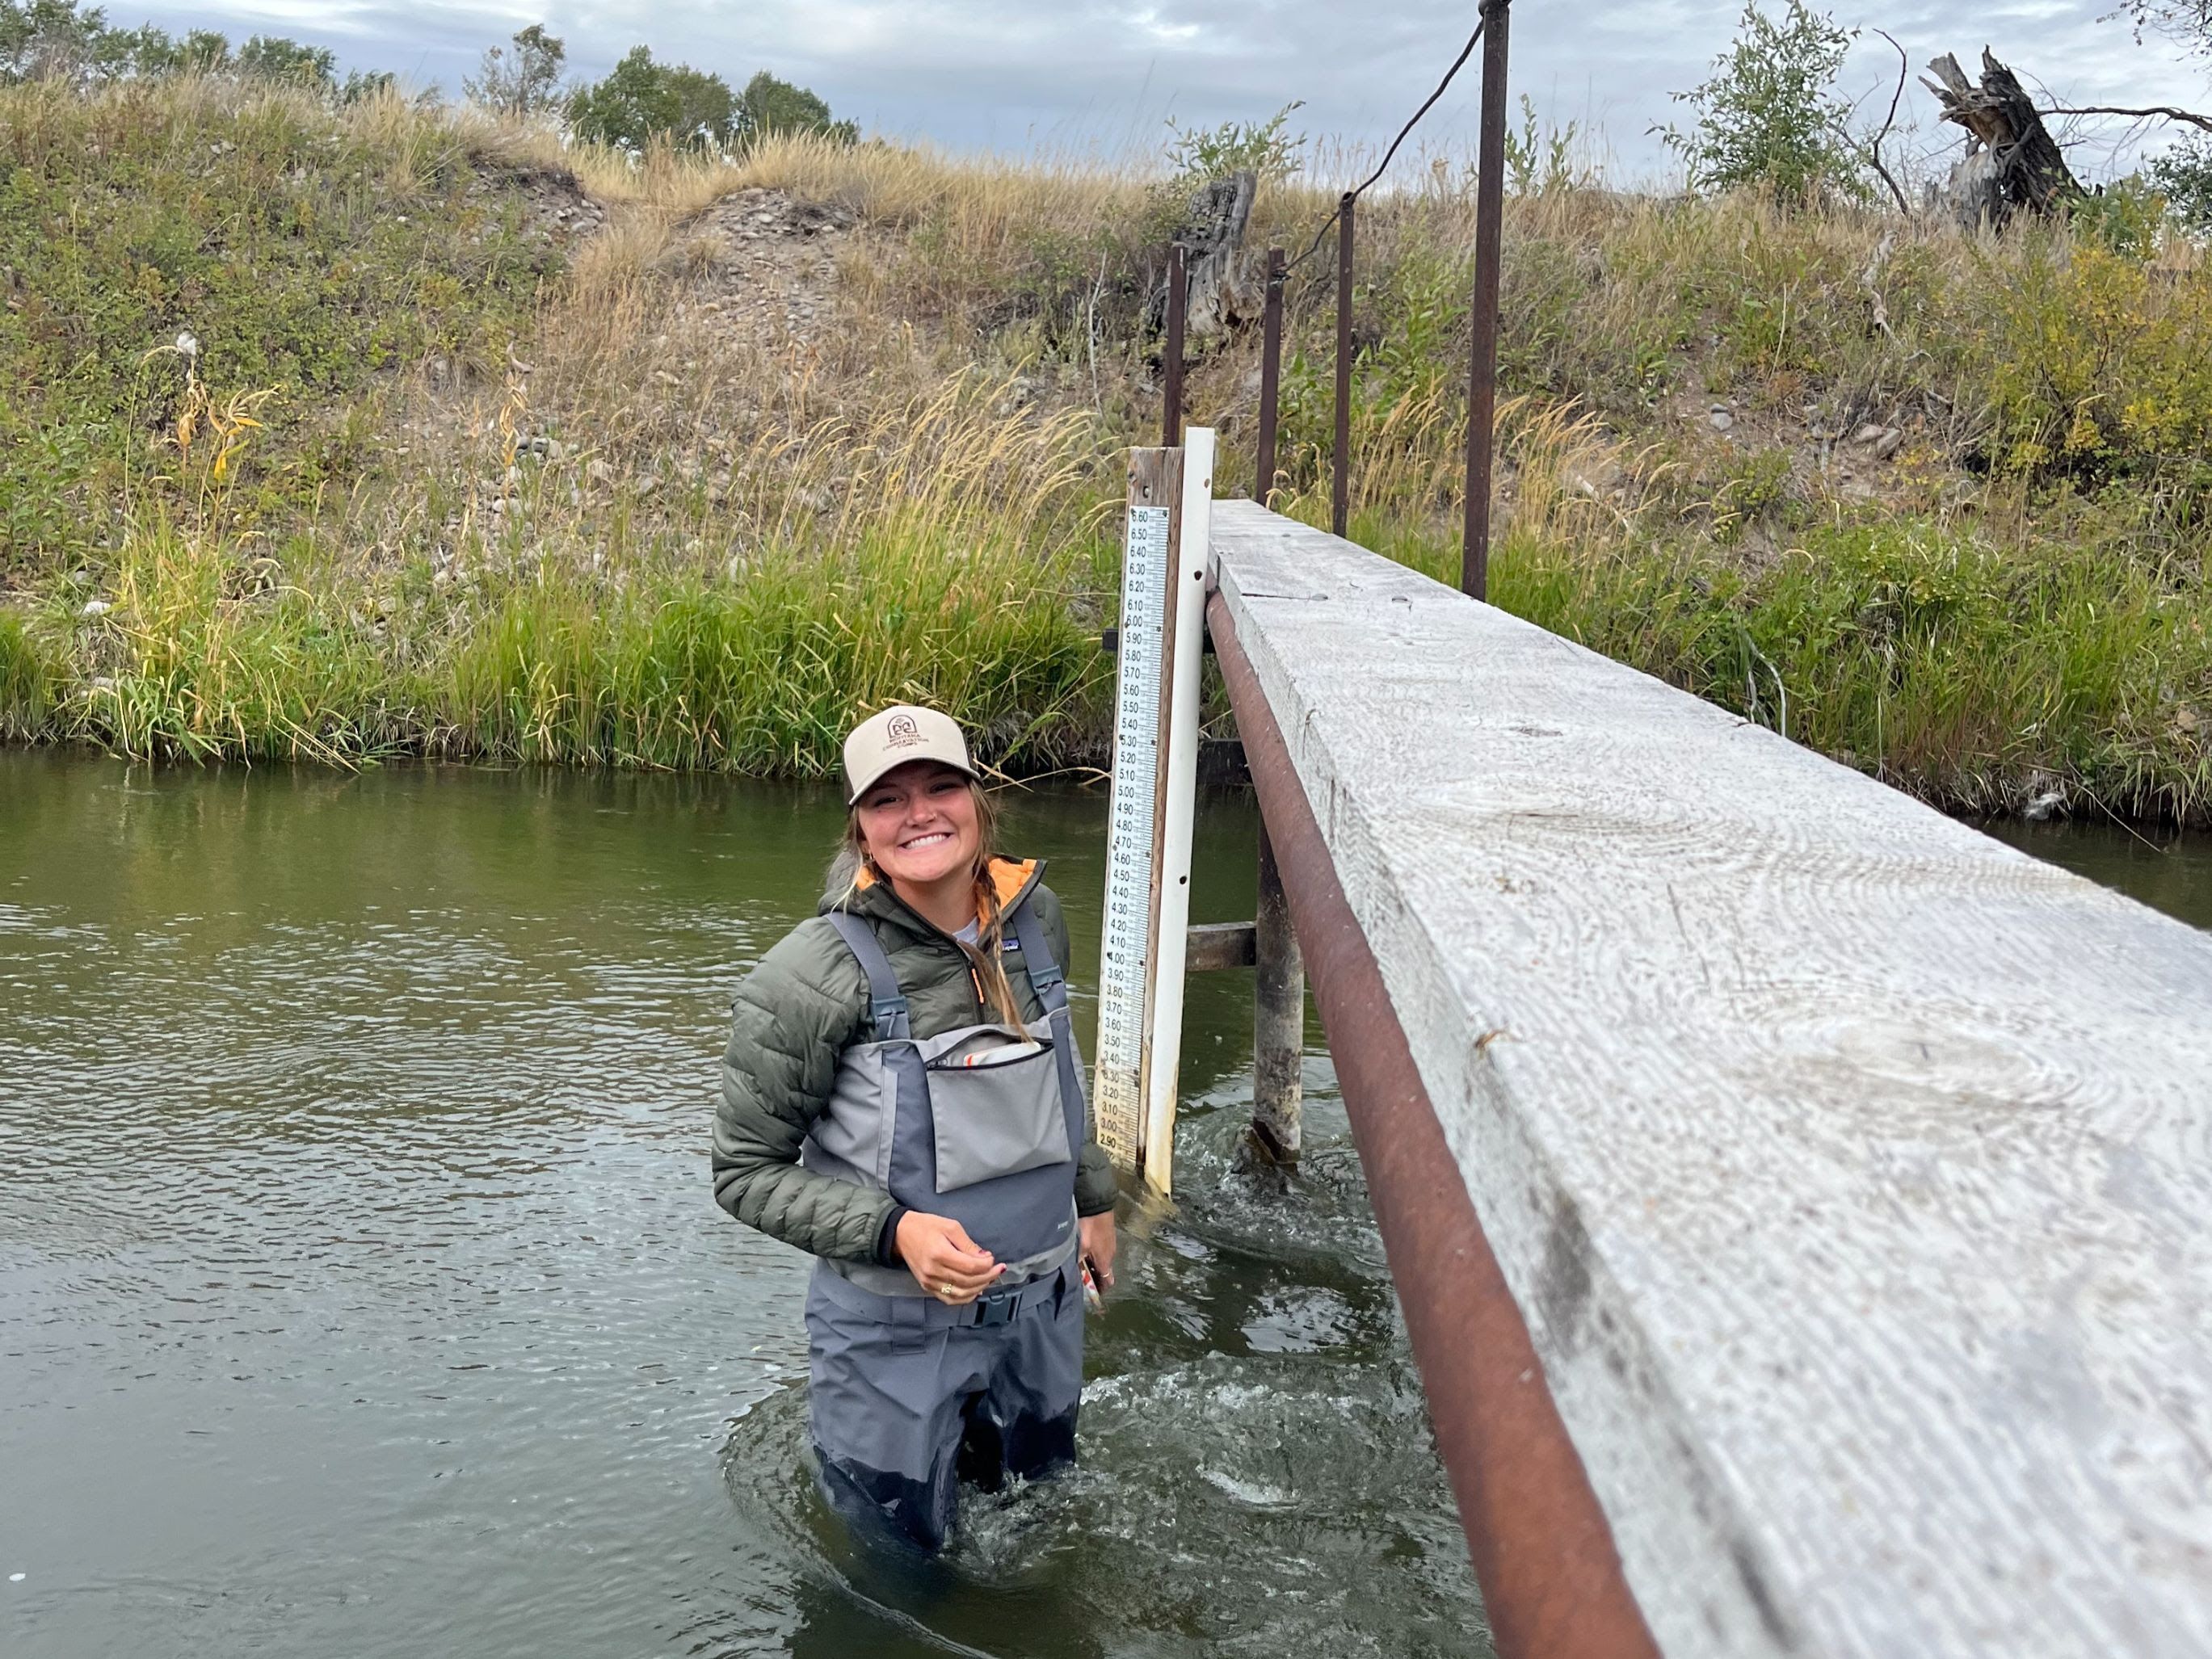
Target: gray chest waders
[907,1394]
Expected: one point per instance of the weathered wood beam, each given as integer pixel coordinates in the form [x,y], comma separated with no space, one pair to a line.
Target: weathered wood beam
[1211,945]
[1848,1167]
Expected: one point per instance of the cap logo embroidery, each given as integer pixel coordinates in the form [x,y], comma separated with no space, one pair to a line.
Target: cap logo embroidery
[901,730]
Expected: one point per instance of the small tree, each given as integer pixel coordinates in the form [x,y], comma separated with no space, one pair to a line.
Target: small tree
[641,100]
[1769,115]
[2184,176]
[361,85]
[58,39]
[1268,149]
[207,50]
[273,57]
[149,50]
[524,79]
[769,106]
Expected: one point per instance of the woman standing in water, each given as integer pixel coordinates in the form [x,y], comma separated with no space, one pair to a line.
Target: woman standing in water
[902,1096]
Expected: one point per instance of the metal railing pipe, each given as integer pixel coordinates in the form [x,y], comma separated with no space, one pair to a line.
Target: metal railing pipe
[1339,489]
[1271,375]
[1482,369]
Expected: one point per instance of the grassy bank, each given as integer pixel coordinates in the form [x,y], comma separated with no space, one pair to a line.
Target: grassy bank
[492,448]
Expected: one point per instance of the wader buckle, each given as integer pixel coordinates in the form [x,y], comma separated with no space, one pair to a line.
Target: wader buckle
[998,1307]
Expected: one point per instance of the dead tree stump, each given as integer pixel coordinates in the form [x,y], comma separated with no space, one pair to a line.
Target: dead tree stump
[1223,291]
[2014,164]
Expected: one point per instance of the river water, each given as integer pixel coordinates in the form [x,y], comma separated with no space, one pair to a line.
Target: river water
[361,1293]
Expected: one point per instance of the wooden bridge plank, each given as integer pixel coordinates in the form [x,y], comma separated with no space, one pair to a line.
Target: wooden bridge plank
[1853,1170]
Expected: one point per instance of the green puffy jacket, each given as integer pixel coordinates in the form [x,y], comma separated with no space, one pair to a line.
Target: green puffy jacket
[793,1016]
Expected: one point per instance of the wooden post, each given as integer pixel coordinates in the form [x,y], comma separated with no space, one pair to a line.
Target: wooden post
[1340,493]
[1171,395]
[1279,1018]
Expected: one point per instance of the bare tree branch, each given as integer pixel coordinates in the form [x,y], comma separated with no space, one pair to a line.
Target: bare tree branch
[2156,112]
[1873,145]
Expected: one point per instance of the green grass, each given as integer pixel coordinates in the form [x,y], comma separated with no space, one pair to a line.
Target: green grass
[1961,674]
[762,675]
[311,257]
[27,680]
[205,656]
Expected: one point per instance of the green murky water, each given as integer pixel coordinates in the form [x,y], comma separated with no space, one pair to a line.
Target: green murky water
[361,1293]
[2168,871]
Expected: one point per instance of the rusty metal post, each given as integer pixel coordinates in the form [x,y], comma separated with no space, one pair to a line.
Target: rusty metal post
[1271,373]
[1482,370]
[1279,1018]
[1172,398]
[1339,496]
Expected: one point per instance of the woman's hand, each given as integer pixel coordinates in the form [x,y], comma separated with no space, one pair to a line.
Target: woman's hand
[937,1250]
[1097,1237]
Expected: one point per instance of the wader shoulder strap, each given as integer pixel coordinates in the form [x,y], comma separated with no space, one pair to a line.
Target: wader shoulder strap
[887,1005]
[1045,975]
[1051,986]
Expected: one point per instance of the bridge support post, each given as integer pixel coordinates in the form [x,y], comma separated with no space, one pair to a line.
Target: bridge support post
[1279,1018]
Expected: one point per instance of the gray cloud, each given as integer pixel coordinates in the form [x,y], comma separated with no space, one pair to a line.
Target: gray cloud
[1085,74]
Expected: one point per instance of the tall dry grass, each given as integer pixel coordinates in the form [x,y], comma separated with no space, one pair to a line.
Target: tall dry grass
[596,509]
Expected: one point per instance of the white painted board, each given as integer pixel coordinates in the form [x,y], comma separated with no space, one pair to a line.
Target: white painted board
[1147,900]
[1118,1103]
[1163,1061]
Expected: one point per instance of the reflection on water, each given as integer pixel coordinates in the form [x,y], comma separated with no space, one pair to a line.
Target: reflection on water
[361,1294]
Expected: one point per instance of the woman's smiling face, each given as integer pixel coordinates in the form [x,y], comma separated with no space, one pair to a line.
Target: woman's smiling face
[918,821]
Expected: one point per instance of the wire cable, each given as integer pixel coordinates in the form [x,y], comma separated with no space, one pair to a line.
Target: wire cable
[1458,64]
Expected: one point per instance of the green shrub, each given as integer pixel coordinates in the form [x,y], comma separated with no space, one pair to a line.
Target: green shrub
[2094,364]
[1268,148]
[1769,116]
[2184,176]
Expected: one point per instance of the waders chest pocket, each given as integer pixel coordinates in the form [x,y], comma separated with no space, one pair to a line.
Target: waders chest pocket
[994,1107]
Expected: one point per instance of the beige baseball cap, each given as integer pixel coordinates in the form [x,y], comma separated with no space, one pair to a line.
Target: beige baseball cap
[901,733]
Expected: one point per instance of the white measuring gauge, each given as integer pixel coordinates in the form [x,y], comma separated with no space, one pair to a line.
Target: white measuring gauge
[1147,565]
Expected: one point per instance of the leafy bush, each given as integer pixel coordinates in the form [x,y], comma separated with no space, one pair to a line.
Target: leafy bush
[1542,161]
[1769,115]
[641,101]
[1269,148]
[2094,364]
[63,40]
[2128,217]
[2184,176]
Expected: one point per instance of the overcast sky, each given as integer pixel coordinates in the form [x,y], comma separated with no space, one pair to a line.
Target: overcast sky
[1085,74]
